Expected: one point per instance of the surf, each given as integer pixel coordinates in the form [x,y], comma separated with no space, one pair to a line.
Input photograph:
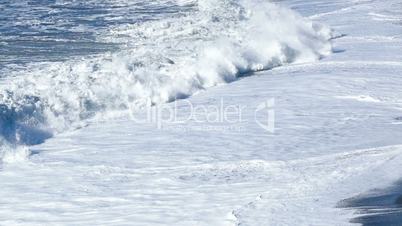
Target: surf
[160,61]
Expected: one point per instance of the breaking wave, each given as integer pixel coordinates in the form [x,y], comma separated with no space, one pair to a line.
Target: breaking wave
[162,60]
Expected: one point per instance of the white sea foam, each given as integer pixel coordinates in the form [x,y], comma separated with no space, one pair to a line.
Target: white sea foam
[163,60]
[12,154]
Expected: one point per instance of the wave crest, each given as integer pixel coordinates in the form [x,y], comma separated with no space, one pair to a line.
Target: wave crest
[163,60]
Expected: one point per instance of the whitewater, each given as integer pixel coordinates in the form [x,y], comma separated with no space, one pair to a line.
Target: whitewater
[163,60]
[72,151]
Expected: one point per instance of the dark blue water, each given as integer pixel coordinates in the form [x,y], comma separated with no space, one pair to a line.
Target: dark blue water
[54,30]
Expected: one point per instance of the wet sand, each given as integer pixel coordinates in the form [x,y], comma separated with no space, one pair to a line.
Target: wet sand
[382,207]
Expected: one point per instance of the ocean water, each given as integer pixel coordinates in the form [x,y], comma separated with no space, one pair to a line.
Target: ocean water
[66,63]
[50,30]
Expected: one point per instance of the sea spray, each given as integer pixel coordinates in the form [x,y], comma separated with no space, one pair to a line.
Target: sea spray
[10,153]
